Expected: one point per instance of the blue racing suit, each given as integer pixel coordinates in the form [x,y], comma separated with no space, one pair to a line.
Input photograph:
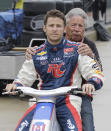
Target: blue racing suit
[59,66]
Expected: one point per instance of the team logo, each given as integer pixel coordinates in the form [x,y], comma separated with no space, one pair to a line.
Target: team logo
[23,125]
[69,52]
[55,69]
[56,59]
[42,53]
[39,126]
[70,125]
[94,66]
[41,58]
[98,72]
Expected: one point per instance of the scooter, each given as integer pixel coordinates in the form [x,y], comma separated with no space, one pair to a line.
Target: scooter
[44,118]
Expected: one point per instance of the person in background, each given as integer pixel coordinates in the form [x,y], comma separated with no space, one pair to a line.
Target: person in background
[97,7]
[19,4]
[58,64]
[76,22]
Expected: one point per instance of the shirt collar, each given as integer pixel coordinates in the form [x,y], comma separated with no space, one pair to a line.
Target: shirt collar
[56,47]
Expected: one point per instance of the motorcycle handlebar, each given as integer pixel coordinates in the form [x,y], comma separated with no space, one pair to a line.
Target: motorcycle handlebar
[54,92]
[45,93]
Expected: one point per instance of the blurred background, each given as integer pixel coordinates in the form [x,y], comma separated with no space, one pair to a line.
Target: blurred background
[22,20]
[29,14]
[92,7]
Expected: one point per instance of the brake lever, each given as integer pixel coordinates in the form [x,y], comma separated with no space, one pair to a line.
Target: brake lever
[74,91]
[17,92]
[78,91]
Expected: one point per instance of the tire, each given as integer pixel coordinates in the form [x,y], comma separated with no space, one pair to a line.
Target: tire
[77,4]
[60,5]
[32,8]
[28,35]
[68,5]
[33,23]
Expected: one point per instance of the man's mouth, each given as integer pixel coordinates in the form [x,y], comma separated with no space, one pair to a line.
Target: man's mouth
[54,34]
[75,34]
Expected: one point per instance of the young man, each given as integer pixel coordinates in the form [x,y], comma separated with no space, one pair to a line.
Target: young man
[76,21]
[58,64]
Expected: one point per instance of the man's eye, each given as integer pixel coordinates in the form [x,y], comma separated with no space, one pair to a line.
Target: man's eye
[81,26]
[73,25]
[51,25]
[59,26]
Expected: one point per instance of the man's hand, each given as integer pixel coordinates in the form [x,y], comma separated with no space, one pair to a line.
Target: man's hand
[84,49]
[29,52]
[88,89]
[10,88]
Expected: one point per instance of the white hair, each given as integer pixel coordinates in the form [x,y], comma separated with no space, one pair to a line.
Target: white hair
[76,12]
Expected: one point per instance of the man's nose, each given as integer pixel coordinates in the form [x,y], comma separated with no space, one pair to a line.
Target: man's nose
[77,27]
[55,27]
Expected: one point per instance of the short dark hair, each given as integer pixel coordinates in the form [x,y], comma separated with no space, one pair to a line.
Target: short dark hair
[54,13]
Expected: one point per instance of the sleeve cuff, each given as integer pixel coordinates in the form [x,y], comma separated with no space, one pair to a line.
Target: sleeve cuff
[96,82]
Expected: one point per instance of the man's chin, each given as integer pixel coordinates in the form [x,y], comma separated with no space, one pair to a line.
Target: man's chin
[76,39]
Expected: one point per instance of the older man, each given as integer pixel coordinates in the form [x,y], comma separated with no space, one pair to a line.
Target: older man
[76,21]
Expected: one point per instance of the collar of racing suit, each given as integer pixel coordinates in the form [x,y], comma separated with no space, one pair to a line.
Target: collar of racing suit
[56,47]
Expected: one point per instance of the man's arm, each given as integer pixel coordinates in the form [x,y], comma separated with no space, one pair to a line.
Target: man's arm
[96,55]
[90,72]
[91,51]
[26,76]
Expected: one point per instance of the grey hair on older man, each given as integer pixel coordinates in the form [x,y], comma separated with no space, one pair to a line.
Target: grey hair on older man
[77,12]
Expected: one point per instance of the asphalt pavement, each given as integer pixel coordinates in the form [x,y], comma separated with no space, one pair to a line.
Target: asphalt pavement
[101,102]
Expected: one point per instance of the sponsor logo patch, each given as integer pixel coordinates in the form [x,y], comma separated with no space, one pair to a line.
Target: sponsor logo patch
[42,58]
[23,125]
[68,50]
[56,59]
[38,126]
[98,72]
[70,125]
[55,69]
[42,53]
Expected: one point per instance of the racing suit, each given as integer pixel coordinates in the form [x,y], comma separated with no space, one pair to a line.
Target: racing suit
[59,66]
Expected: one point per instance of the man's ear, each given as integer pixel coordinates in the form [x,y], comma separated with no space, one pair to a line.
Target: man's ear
[44,28]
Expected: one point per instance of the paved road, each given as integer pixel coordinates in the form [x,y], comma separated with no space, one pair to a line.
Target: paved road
[11,109]
[101,103]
